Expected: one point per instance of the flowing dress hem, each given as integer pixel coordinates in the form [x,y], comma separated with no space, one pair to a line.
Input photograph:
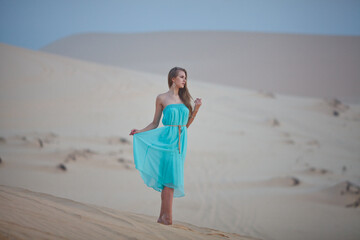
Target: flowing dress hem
[176,188]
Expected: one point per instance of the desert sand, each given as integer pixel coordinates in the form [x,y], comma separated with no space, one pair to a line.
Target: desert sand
[259,164]
[31,215]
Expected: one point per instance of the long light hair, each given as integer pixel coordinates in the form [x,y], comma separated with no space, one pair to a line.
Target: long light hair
[184,93]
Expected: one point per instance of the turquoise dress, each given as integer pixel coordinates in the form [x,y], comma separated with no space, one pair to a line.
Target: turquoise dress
[157,154]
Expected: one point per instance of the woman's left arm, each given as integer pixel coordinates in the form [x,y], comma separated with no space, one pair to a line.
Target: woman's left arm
[197,106]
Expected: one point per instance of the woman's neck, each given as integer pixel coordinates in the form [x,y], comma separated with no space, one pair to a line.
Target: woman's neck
[174,91]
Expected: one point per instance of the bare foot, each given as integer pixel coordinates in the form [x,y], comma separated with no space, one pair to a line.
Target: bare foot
[166,220]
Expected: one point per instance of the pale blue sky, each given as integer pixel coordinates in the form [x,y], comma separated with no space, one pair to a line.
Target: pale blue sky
[35,23]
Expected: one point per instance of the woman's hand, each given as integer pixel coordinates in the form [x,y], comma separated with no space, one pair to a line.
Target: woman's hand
[133,131]
[197,103]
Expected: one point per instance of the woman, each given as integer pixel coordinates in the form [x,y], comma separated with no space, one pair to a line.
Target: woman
[159,153]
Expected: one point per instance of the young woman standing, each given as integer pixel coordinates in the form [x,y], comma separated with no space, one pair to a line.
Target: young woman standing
[159,153]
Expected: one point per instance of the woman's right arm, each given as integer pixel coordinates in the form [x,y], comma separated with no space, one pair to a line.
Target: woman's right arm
[155,123]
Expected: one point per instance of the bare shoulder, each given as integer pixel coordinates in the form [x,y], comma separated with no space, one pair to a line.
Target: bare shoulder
[162,95]
[160,99]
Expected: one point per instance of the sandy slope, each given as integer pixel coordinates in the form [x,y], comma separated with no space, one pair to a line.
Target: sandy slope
[259,164]
[292,64]
[30,215]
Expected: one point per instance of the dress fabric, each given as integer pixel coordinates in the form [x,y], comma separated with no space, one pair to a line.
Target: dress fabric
[156,152]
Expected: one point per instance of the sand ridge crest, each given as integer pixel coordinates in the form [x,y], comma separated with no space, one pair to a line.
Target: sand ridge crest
[62,218]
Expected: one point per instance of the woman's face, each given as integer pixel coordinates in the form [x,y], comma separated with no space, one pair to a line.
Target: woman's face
[180,80]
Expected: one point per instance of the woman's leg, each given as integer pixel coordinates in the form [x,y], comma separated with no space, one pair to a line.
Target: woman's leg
[167,195]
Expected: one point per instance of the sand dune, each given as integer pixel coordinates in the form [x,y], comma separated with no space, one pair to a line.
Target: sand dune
[344,194]
[294,64]
[57,110]
[26,214]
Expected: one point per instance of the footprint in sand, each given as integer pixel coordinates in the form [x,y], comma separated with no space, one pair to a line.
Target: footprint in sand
[286,181]
[286,134]
[266,94]
[30,141]
[277,182]
[182,227]
[273,122]
[79,154]
[313,142]
[317,171]
[332,107]
[289,141]
[336,106]
[38,139]
[118,140]
[128,164]
[213,233]
[354,204]
[344,193]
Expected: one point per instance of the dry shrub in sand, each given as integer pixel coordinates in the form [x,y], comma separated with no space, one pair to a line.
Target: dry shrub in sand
[317,171]
[344,193]
[61,166]
[287,181]
[336,106]
[266,94]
